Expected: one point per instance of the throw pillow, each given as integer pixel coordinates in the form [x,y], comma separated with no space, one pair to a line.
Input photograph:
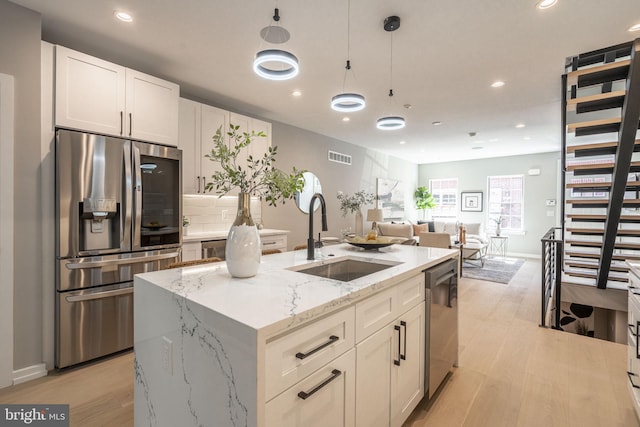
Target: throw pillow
[422,228]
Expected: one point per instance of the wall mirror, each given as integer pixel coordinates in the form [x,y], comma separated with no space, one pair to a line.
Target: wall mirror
[311,186]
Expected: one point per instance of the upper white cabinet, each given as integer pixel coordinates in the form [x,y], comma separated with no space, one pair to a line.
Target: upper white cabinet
[258,146]
[98,96]
[198,124]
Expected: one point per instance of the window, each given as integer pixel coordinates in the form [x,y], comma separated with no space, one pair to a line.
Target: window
[506,199]
[445,193]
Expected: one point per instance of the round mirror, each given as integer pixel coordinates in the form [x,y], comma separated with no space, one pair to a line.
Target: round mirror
[311,187]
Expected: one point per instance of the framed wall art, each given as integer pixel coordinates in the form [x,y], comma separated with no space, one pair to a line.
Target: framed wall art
[471,201]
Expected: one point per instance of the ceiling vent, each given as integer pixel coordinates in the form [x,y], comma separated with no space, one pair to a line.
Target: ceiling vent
[334,156]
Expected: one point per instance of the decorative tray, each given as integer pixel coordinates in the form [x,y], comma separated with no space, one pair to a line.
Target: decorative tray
[369,244]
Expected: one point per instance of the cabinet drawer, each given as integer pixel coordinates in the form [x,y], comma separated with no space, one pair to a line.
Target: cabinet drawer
[274,242]
[328,398]
[410,293]
[294,356]
[375,312]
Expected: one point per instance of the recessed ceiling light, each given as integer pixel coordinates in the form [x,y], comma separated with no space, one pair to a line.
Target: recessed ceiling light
[477,148]
[497,83]
[520,125]
[494,140]
[408,106]
[402,142]
[346,119]
[296,93]
[436,123]
[123,16]
[635,28]
[545,4]
[527,138]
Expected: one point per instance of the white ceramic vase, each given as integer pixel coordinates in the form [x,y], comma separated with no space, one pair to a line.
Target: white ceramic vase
[243,249]
[498,229]
[359,228]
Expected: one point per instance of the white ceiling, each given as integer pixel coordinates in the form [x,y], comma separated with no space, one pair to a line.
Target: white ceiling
[445,56]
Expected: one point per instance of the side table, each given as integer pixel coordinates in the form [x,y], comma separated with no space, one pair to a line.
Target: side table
[498,245]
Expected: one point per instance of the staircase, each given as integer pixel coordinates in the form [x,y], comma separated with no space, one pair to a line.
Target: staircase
[601,209]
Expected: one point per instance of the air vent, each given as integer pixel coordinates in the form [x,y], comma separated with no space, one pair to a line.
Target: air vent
[345,159]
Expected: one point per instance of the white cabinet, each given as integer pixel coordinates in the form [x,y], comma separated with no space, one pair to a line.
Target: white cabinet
[633,313]
[258,145]
[310,375]
[274,241]
[98,96]
[198,125]
[324,398]
[390,360]
[191,251]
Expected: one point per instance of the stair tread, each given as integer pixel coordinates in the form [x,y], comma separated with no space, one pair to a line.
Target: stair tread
[594,264]
[573,77]
[596,255]
[586,281]
[618,245]
[600,231]
[598,102]
[602,217]
[592,123]
[591,166]
[604,184]
[613,275]
[597,146]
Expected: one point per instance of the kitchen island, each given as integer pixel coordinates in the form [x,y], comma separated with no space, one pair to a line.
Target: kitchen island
[214,350]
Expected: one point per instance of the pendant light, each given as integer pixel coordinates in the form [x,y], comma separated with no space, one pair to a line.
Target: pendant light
[275,64]
[346,102]
[391,24]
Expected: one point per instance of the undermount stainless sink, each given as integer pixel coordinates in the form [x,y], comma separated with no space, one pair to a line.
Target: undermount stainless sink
[345,269]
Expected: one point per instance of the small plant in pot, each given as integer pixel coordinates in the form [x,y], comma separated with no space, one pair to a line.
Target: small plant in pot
[252,177]
[424,200]
[353,204]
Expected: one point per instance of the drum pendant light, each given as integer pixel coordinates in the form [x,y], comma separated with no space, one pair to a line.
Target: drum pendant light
[391,24]
[346,102]
[275,64]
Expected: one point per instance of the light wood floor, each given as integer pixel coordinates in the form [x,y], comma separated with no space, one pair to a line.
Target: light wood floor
[511,372]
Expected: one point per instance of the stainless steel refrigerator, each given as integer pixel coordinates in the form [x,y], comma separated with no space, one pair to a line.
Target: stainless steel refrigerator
[118,213]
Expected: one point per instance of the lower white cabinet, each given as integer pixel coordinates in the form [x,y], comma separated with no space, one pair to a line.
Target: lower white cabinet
[390,371]
[633,313]
[191,251]
[274,241]
[324,398]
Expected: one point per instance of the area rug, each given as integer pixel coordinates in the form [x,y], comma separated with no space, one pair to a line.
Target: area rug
[499,270]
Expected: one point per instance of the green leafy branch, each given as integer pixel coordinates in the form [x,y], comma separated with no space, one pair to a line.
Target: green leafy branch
[256,176]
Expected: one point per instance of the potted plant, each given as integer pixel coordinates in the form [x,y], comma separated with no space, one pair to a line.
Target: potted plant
[498,222]
[424,199]
[353,204]
[252,177]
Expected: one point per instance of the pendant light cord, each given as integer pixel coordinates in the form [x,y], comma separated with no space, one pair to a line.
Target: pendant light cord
[347,67]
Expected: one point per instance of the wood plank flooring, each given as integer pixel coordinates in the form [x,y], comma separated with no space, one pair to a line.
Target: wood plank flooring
[511,372]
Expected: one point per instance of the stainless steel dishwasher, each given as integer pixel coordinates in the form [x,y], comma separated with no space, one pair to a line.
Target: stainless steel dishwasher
[441,343]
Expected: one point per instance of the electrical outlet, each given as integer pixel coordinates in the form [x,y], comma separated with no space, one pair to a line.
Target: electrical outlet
[167,355]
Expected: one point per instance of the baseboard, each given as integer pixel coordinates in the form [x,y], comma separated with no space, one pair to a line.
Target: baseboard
[29,373]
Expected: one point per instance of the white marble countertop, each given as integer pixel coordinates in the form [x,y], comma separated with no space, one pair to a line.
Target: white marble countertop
[277,298]
[221,235]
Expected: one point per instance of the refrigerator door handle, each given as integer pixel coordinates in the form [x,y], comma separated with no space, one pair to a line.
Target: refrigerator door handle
[137,188]
[99,295]
[124,261]
[126,226]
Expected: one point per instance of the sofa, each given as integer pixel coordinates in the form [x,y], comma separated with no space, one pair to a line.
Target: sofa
[474,249]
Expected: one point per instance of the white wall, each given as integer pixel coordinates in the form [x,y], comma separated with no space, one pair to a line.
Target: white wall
[472,176]
[307,150]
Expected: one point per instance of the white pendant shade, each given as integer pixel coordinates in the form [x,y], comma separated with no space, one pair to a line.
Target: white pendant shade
[348,102]
[390,123]
[276,64]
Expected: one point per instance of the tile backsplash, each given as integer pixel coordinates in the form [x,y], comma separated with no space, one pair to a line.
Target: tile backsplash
[208,213]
